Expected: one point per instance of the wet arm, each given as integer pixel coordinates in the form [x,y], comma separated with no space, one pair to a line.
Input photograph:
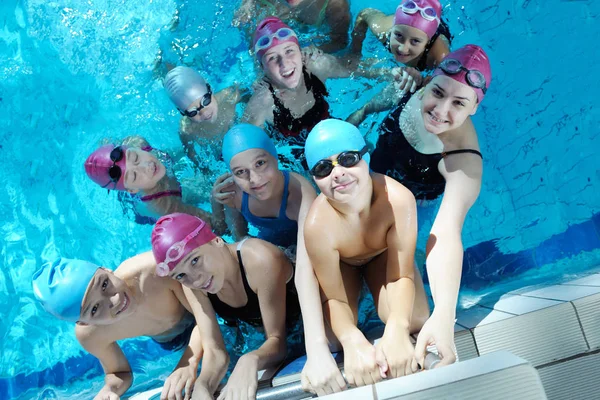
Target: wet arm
[188,145]
[401,240]
[438,51]
[378,22]
[444,246]
[270,280]
[173,204]
[117,371]
[308,286]
[385,100]
[237,223]
[215,358]
[326,263]
[259,106]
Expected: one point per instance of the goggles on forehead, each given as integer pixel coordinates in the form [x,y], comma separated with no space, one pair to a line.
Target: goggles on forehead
[176,251]
[428,13]
[474,77]
[264,42]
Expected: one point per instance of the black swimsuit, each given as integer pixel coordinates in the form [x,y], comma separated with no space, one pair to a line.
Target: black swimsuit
[442,29]
[395,157]
[250,312]
[293,130]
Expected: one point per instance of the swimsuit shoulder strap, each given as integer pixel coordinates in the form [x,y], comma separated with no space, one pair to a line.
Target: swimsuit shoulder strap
[245,208]
[242,269]
[284,199]
[448,153]
[158,195]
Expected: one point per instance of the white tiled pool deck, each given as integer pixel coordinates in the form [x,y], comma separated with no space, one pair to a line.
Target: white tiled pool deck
[555,328]
[536,342]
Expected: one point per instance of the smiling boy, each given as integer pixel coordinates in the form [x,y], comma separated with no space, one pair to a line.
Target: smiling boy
[129,302]
[363,225]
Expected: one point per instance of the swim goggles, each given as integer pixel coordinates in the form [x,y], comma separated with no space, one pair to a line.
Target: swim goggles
[176,251]
[345,159]
[114,172]
[204,102]
[474,77]
[428,13]
[265,41]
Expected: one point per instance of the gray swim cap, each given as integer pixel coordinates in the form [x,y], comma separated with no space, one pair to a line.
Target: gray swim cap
[184,86]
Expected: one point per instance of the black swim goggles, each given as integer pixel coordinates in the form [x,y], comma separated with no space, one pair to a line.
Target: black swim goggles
[475,78]
[114,172]
[345,159]
[204,102]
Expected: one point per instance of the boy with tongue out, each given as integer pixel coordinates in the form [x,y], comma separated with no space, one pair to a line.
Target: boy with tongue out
[128,302]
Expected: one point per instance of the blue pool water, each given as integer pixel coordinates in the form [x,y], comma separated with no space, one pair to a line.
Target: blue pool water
[73,73]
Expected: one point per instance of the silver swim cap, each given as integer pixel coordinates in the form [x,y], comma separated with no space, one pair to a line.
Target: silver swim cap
[184,86]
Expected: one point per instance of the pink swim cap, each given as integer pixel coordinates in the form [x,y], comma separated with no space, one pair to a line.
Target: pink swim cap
[177,234]
[267,27]
[98,164]
[472,57]
[416,19]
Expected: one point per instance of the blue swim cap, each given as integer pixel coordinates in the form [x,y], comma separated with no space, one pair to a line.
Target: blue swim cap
[244,137]
[332,136]
[61,285]
[184,86]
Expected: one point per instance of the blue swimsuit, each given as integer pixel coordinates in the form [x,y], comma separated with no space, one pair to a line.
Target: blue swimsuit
[280,231]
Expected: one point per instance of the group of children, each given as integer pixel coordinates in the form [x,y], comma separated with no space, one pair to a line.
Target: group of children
[312,251]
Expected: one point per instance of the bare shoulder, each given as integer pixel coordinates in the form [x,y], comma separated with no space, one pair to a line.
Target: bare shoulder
[93,337]
[136,263]
[260,258]
[319,216]
[395,192]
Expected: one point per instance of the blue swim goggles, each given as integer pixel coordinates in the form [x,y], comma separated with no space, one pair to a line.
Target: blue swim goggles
[265,41]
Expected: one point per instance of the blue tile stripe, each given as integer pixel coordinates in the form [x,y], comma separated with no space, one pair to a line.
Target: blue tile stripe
[484,263]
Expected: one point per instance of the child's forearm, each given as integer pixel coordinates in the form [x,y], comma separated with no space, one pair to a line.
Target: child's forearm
[214,367]
[218,219]
[310,305]
[342,322]
[400,302]
[118,382]
[271,352]
[193,352]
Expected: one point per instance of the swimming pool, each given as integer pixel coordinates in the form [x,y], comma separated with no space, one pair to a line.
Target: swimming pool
[76,72]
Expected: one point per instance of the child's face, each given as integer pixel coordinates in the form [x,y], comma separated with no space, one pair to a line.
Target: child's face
[143,170]
[282,64]
[107,300]
[255,172]
[447,104]
[407,43]
[203,268]
[343,184]
[206,114]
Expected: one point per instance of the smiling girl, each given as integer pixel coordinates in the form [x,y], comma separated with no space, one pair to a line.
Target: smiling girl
[250,281]
[415,35]
[143,172]
[291,99]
